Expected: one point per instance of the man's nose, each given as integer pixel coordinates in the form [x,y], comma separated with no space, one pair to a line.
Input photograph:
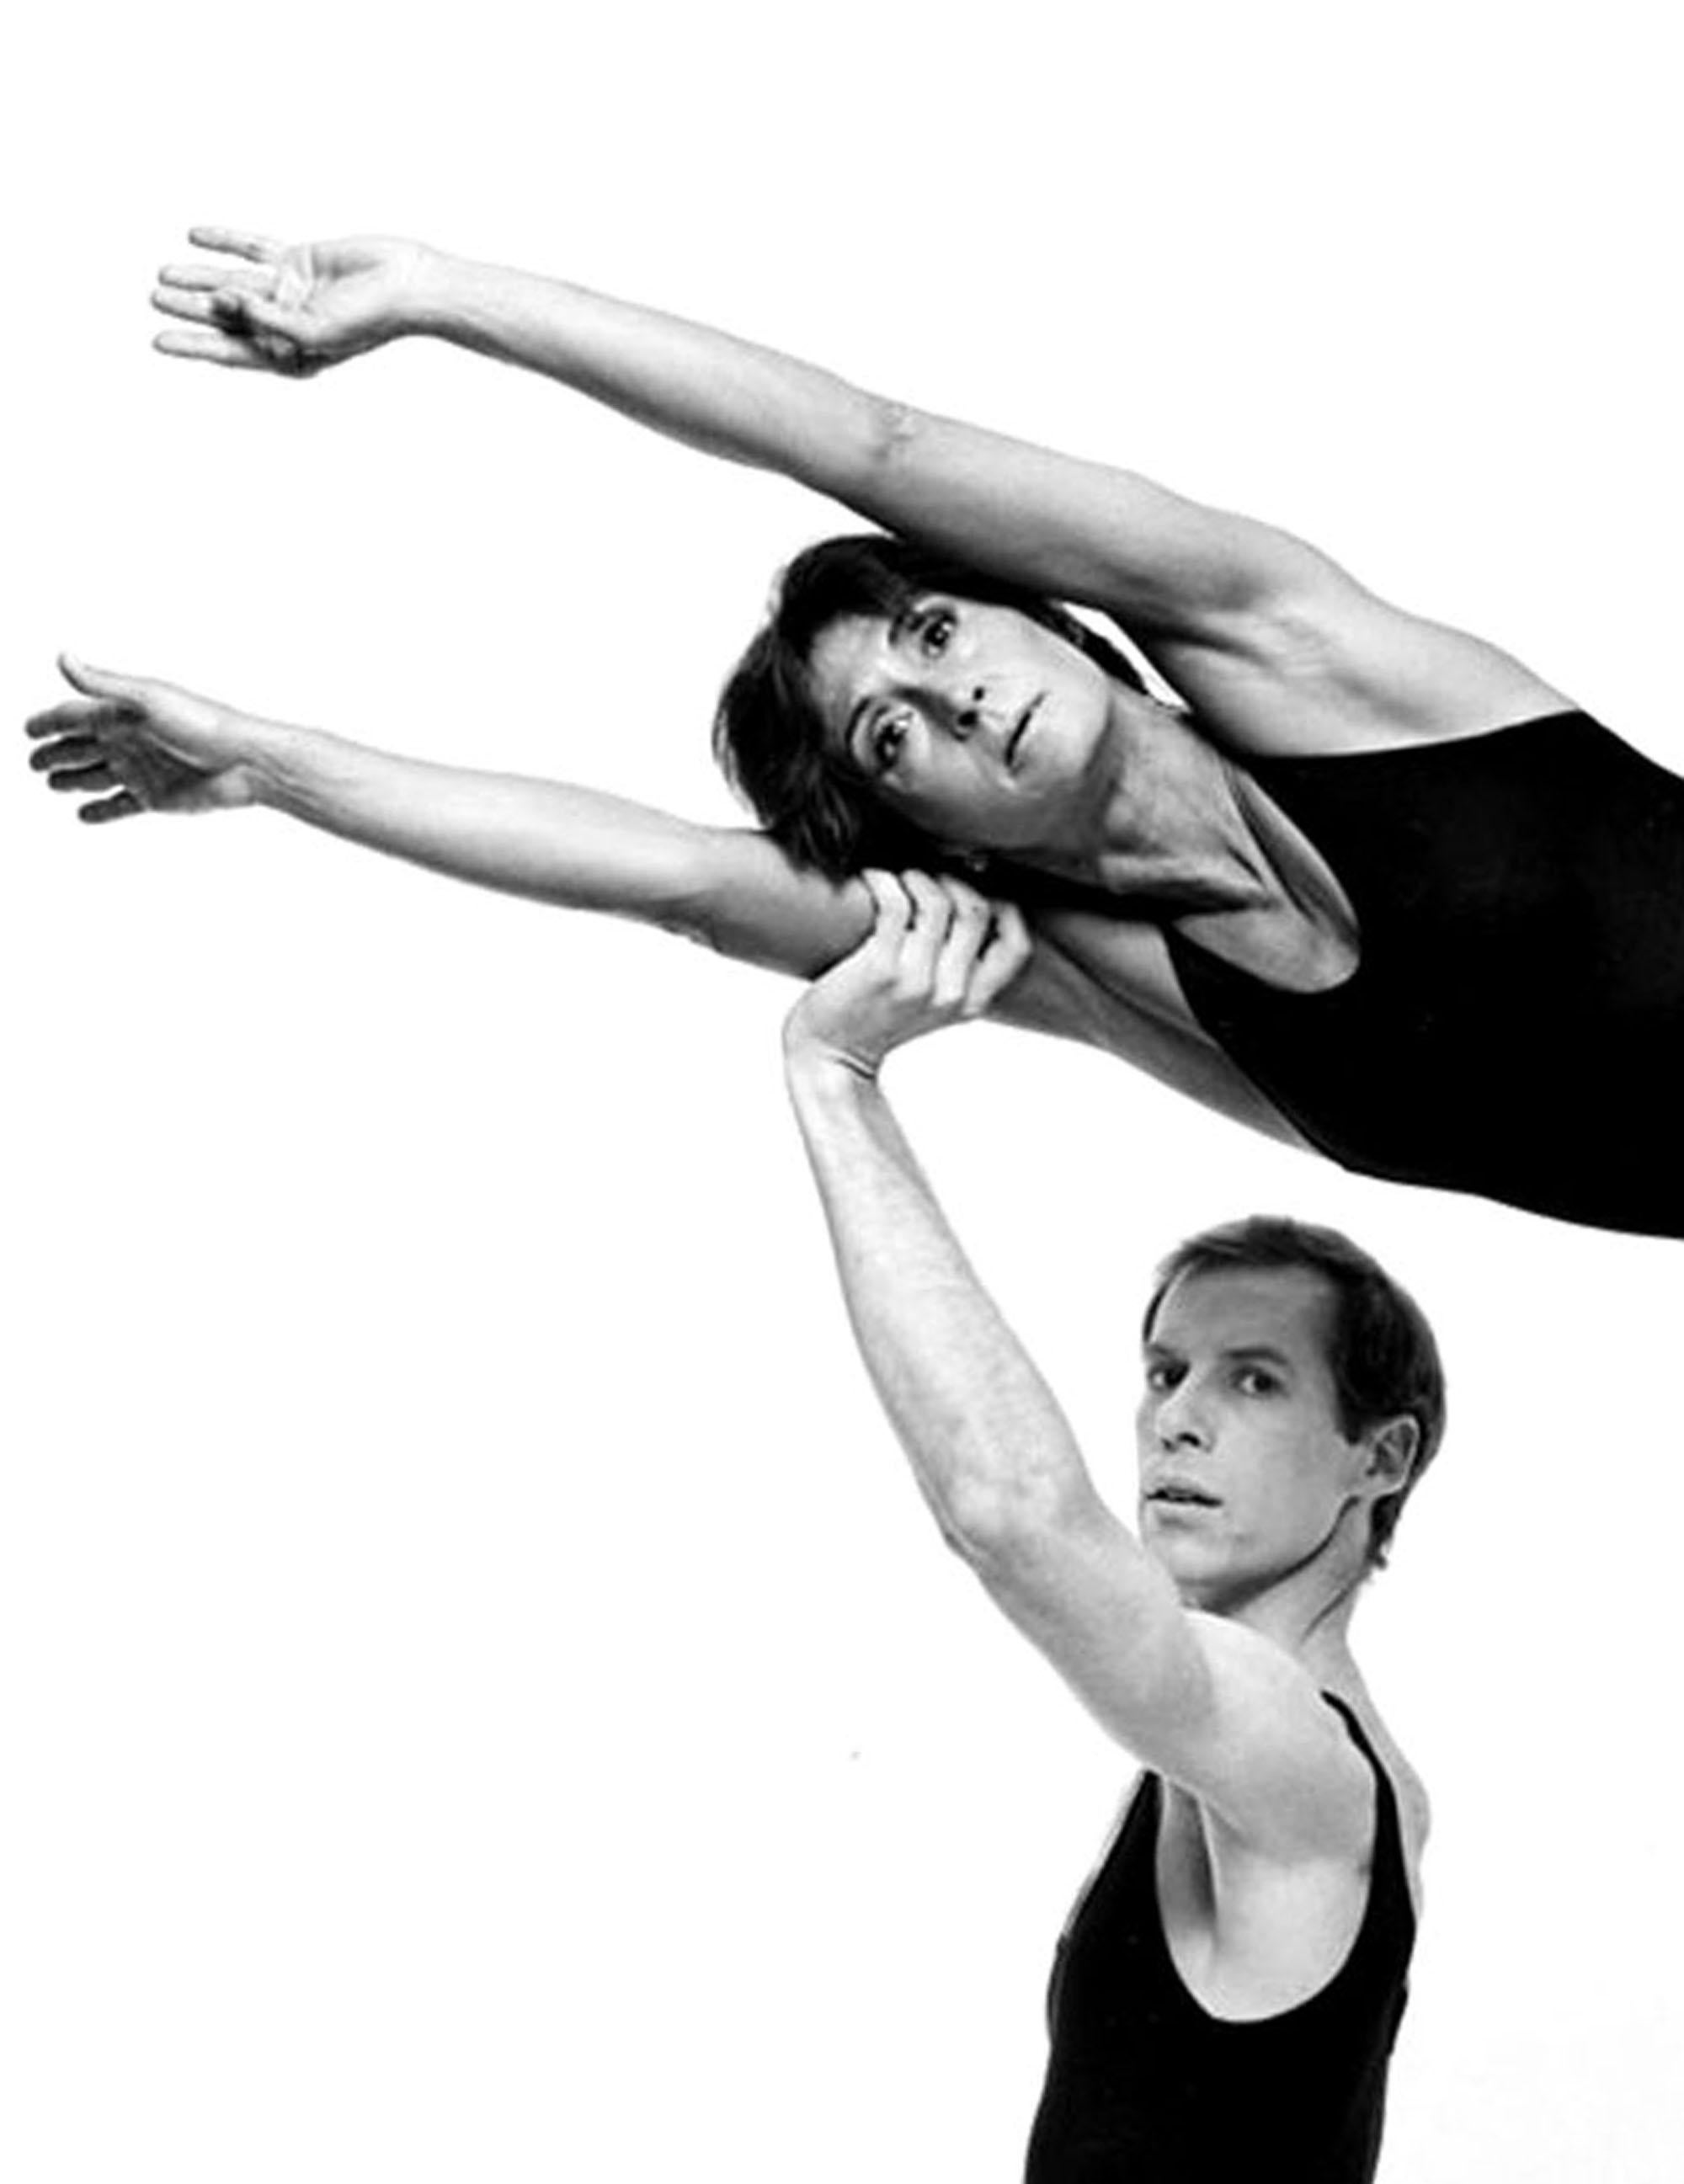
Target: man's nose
[1181,1419]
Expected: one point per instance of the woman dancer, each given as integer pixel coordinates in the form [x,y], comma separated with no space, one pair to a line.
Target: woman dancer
[1353,878]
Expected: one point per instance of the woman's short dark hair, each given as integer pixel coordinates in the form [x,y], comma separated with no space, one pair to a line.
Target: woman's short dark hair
[1381,1350]
[768,734]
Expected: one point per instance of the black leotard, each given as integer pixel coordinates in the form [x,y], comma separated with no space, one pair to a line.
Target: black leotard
[1144,2087]
[1515,1023]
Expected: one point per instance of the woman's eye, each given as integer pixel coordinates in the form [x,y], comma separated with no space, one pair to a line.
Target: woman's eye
[1255,1382]
[1161,1378]
[887,740]
[936,628]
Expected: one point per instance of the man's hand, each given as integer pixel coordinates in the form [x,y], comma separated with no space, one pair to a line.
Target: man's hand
[292,309]
[938,954]
[134,745]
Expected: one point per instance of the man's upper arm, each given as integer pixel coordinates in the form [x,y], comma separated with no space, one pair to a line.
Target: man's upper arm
[1206,1702]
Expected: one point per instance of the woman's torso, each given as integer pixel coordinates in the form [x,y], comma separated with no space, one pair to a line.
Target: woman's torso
[1512,1023]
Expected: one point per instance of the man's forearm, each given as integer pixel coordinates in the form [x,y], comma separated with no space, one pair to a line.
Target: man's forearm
[991,1449]
[726,396]
[557,843]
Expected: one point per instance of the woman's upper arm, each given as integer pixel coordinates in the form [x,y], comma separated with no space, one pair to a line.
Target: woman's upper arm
[1080,530]
[751,902]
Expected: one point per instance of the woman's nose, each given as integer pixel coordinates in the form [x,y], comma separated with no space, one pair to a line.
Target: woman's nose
[967,710]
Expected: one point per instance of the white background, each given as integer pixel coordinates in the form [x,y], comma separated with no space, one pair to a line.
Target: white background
[477,1697]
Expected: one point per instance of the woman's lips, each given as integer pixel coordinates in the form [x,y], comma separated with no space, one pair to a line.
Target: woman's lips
[1014,742]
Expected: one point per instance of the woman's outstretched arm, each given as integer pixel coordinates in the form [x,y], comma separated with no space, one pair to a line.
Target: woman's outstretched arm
[1070,528]
[1275,646]
[129,744]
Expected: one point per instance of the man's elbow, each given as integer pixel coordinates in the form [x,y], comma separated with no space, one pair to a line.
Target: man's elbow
[1012,1532]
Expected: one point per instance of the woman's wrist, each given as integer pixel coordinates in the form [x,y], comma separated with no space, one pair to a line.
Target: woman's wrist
[290,769]
[492,309]
[436,295]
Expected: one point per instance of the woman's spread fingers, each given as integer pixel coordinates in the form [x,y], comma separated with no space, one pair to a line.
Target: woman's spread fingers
[65,751]
[196,305]
[82,780]
[200,278]
[207,345]
[237,242]
[72,716]
[123,805]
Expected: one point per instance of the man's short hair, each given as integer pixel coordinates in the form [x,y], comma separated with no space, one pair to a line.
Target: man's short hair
[769,736]
[1381,1350]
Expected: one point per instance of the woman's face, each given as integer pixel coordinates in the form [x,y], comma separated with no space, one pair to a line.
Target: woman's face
[980,727]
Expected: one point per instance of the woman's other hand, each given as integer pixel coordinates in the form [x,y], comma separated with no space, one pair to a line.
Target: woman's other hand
[288,308]
[129,744]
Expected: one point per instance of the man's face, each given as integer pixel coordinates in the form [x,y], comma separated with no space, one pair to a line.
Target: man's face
[973,722]
[1246,1475]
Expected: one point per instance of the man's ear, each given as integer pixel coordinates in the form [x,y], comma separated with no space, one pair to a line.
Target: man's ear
[1391,1454]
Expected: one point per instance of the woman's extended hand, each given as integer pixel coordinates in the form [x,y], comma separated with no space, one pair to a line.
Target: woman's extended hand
[938,954]
[130,745]
[292,309]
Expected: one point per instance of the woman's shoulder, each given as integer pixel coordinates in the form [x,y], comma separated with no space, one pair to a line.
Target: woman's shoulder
[1357,675]
[1107,981]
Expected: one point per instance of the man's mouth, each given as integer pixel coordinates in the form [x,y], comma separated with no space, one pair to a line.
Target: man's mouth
[1014,741]
[1183,1495]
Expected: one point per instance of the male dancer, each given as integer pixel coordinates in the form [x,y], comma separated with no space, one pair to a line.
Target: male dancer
[1228,1991]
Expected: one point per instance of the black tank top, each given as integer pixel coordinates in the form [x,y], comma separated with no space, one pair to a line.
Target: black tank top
[1515,1023]
[1144,2087]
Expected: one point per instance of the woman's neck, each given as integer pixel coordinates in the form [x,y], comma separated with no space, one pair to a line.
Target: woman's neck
[1168,820]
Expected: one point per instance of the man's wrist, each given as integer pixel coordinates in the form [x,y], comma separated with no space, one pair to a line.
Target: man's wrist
[823,1074]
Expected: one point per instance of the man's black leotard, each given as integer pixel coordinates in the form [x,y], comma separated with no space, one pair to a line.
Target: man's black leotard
[1144,2087]
[1515,1023]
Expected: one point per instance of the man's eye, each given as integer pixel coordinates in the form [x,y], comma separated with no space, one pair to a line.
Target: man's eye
[936,628]
[1160,1378]
[1254,1381]
[886,741]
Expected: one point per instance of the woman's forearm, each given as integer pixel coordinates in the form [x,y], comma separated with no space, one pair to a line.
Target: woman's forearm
[726,396]
[728,888]
[549,840]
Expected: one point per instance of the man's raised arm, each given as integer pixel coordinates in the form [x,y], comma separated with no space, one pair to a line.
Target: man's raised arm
[1213,1706]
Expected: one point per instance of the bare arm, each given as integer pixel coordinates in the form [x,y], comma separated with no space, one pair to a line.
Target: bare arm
[1070,528]
[1274,644]
[1213,1706]
[131,744]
